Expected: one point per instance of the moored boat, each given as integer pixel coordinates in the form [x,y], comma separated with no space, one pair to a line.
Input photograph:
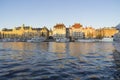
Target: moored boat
[62,40]
[86,40]
[107,39]
[36,39]
[7,40]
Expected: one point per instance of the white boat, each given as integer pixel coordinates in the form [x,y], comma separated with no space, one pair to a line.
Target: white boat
[116,39]
[36,39]
[7,40]
[62,40]
[86,40]
[106,40]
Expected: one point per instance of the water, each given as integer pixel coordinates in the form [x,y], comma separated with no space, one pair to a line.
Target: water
[58,61]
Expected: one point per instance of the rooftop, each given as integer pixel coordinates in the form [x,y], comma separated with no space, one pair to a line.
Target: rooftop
[77,25]
[59,26]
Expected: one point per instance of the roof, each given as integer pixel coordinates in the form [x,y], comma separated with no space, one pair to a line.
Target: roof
[45,28]
[26,27]
[59,26]
[5,29]
[17,28]
[36,28]
[77,25]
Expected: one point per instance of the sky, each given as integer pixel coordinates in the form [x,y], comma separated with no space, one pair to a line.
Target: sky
[39,13]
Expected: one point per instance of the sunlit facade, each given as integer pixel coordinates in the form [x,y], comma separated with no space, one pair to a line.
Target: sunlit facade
[89,32]
[50,32]
[24,32]
[76,31]
[107,32]
[59,31]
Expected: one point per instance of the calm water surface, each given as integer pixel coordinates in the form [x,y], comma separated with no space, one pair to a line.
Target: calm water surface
[58,61]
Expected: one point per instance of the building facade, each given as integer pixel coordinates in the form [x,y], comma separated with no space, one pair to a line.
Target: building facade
[76,31]
[106,32]
[109,32]
[24,32]
[59,31]
[89,32]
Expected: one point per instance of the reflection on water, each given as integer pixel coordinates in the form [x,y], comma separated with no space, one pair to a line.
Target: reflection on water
[58,61]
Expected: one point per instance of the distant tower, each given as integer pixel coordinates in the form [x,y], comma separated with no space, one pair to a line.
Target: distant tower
[23,25]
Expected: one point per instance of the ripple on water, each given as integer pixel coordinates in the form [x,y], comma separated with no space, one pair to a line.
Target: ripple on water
[34,62]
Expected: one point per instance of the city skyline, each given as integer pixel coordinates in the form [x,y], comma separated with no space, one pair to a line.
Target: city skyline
[39,13]
[52,27]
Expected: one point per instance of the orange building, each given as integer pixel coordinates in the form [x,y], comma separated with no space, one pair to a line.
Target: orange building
[78,31]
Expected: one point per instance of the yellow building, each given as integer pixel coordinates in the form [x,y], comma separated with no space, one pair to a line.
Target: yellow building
[76,31]
[44,32]
[24,32]
[106,32]
[89,32]
[59,31]
[50,32]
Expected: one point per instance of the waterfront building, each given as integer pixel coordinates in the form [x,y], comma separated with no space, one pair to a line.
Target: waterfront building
[89,32]
[44,32]
[50,32]
[6,33]
[59,31]
[76,31]
[99,33]
[107,32]
[0,35]
[24,32]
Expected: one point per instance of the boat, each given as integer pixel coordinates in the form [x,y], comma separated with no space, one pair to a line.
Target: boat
[36,39]
[116,39]
[62,40]
[7,40]
[106,39]
[86,40]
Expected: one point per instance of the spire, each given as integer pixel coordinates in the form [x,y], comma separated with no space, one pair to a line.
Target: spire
[23,25]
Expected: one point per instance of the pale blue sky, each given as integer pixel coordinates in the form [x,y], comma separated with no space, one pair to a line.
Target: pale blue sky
[39,13]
